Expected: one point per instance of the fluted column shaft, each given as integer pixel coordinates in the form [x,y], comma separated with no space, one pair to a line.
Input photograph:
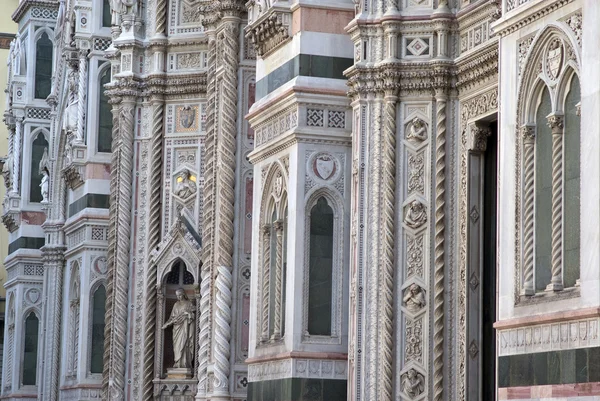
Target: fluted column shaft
[528,134]
[556,123]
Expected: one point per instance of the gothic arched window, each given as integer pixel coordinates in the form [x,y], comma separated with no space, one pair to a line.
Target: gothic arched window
[105,123]
[37,151]
[30,350]
[106,15]
[43,67]
[320,269]
[98,312]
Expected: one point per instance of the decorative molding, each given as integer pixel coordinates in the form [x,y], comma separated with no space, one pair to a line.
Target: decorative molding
[549,337]
[270,31]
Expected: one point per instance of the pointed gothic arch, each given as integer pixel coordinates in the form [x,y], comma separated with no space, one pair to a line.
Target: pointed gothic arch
[547,80]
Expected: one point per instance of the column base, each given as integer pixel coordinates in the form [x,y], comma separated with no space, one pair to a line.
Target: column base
[554,287]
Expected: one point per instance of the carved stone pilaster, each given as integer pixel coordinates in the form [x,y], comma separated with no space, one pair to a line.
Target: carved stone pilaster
[16,184]
[556,124]
[82,95]
[528,135]
[53,257]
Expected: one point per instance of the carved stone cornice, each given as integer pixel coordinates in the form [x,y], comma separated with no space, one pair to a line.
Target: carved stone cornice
[515,21]
[216,10]
[270,31]
[477,68]
[27,4]
[401,79]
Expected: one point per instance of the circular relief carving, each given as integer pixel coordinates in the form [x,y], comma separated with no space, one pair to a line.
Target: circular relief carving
[101,265]
[324,166]
[33,295]
[177,249]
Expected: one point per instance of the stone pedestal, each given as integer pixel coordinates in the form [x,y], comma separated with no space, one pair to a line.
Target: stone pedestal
[179,373]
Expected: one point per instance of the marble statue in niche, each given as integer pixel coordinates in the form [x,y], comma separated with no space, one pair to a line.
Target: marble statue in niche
[416,214]
[185,185]
[183,321]
[414,298]
[413,383]
[45,183]
[418,130]
[71,111]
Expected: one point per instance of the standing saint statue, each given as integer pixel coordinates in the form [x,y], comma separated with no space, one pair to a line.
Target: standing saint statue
[182,320]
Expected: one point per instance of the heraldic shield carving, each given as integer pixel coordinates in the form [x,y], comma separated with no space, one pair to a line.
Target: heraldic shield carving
[554,59]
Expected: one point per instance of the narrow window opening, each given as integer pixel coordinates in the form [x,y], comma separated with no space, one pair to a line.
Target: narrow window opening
[43,67]
[98,312]
[30,352]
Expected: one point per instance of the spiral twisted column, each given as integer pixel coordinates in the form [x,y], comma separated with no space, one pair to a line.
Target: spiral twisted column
[155,191]
[278,225]
[208,223]
[161,17]
[439,252]
[556,123]
[17,154]
[112,238]
[121,256]
[266,281]
[388,241]
[224,283]
[82,94]
[528,134]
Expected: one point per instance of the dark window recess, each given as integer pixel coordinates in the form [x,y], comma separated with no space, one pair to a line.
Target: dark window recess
[37,151]
[43,67]
[98,311]
[30,350]
[106,15]
[105,123]
[320,269]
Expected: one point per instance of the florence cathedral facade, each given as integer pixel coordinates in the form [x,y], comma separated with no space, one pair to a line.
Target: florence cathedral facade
[303,200]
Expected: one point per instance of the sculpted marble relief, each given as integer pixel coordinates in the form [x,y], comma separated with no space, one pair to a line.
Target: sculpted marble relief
[417,130]
[416,214]
[413,383]
[414,298]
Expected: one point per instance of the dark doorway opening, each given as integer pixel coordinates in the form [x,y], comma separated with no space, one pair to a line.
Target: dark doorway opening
[488,363]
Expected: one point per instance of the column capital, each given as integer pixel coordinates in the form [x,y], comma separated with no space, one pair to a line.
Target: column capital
[528,133]
[477,139]
[556,123]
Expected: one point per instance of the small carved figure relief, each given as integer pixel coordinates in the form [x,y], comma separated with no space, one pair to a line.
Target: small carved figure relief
[413,383]
[182,319]
[414,298]
[418,130]
[185,184]
[416,214]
